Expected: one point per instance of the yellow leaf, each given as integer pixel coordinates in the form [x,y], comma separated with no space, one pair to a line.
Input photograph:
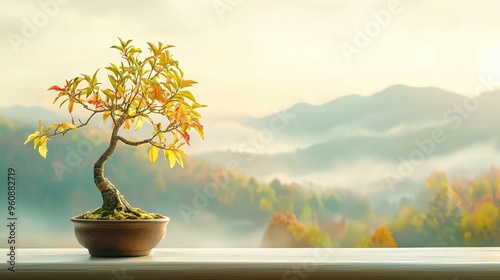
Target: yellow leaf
[40,125]
[198,105]
[139,123]
[132,111]
[51,126]
[171,157]
[200,131]
[187,83]
[182,153]
[31,137]
[105,115]
[109,93]
[128,124]
[176,138]
[153,48]
[187,94]
[42,149]
[69,125]
[153,154]
[161,137]
[120,91]
[178,157]
[70,106]
[35,142]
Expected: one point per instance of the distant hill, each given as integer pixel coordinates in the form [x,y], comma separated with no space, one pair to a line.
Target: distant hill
[31,114]
[395,106]
[378,130]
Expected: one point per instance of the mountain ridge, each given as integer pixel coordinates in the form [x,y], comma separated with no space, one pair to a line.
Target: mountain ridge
[393,106]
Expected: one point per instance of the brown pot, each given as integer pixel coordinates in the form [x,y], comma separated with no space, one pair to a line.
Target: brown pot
[120,238]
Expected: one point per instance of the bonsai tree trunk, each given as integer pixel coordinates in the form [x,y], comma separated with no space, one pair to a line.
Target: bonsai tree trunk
[112,199]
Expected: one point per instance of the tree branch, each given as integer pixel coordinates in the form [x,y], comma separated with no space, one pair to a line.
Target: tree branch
[56,132]
[136,143]
[145,141]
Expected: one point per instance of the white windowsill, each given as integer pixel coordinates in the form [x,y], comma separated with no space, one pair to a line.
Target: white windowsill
[310,263]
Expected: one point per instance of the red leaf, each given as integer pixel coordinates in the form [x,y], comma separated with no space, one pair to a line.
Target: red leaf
[93,99]
[72,119]
[186,136]
[57,88]
[197,125]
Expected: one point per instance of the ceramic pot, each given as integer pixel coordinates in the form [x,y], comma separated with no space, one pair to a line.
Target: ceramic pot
[120,238]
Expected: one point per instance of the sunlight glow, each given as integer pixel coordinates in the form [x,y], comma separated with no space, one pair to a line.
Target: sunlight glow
[489,65]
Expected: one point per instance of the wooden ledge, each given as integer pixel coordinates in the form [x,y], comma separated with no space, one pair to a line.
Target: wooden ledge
[286,264]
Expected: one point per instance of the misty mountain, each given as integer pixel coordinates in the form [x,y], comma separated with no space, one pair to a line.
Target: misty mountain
[396,106]
[386,128]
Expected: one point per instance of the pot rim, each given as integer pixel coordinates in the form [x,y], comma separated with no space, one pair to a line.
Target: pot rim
[161,220]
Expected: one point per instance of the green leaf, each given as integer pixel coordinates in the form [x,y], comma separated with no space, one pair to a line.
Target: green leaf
[62,103]
[135,50]
[116,47]
[153,154]
[85,92]
[94,78]
[59,95]
[120,91]
[87,78]
[112,80]
[116,69]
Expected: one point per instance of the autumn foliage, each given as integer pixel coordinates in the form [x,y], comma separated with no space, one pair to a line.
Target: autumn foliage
[138,90]
[458,213]
[382,238]
[285,231]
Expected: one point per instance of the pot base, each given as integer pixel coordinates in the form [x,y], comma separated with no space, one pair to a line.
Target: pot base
[110,254]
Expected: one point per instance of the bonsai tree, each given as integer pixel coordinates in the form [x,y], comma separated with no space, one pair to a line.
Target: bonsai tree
[151,90]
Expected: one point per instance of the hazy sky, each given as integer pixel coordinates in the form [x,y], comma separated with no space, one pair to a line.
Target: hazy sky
[256,57]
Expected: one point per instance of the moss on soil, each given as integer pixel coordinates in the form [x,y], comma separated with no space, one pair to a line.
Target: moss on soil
[101,214]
